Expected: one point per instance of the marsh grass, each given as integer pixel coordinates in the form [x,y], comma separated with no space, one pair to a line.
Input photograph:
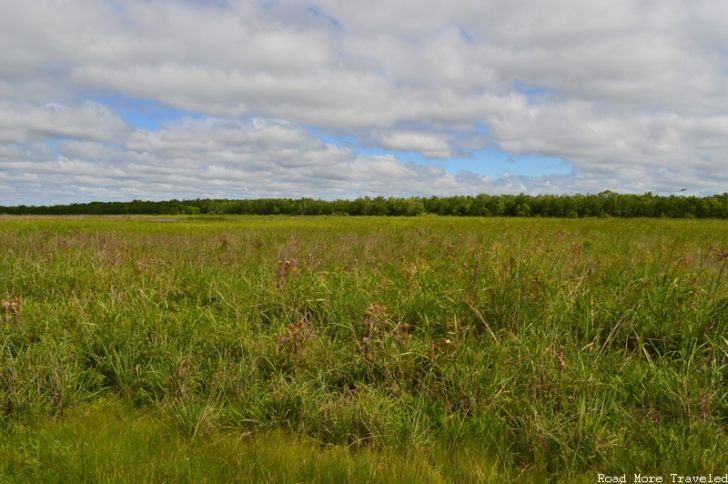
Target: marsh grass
[424,349]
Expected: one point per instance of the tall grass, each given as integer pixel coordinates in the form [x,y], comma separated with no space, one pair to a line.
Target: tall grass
[519,347]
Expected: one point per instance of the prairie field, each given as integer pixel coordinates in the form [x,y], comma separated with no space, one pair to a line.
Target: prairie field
[363,349]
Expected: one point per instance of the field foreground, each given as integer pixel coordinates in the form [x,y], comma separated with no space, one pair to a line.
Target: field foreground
[325,349]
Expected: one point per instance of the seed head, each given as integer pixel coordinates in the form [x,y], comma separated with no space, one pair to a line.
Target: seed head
[11,307]
[560,358]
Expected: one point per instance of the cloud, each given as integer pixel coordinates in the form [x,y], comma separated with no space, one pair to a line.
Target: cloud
[631,93]
[21,123]
[432,146]
[85,150]
[644,151]
[224,158]
[215,158]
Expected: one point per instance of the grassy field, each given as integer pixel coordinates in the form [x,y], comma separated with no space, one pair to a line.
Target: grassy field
[364,349]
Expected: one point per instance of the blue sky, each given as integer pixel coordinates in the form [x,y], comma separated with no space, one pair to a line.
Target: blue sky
[108,100]
[146,114]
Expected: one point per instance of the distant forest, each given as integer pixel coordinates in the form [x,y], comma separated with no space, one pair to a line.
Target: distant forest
[604,204]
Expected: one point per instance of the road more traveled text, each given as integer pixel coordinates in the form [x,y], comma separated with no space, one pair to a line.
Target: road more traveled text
[672,477]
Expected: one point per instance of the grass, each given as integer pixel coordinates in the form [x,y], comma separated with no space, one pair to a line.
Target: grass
[147,448]
[365,349]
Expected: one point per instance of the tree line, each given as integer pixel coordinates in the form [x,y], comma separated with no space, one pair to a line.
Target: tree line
[603,204]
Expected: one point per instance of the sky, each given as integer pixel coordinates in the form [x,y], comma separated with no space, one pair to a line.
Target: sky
[161,99]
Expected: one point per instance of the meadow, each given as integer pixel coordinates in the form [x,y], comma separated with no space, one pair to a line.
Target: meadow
[367,349]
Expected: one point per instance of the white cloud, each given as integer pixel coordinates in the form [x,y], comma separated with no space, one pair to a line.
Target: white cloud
[632,93]
[86,150]
[215,158]
[20,123]
[432,146]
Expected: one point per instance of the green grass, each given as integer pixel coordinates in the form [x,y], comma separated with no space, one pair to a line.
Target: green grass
[418,349]
[107,443]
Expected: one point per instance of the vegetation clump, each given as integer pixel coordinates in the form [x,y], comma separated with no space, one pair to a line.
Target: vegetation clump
[604,204]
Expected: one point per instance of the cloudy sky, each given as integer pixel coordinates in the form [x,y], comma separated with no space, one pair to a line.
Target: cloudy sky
[158,99]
